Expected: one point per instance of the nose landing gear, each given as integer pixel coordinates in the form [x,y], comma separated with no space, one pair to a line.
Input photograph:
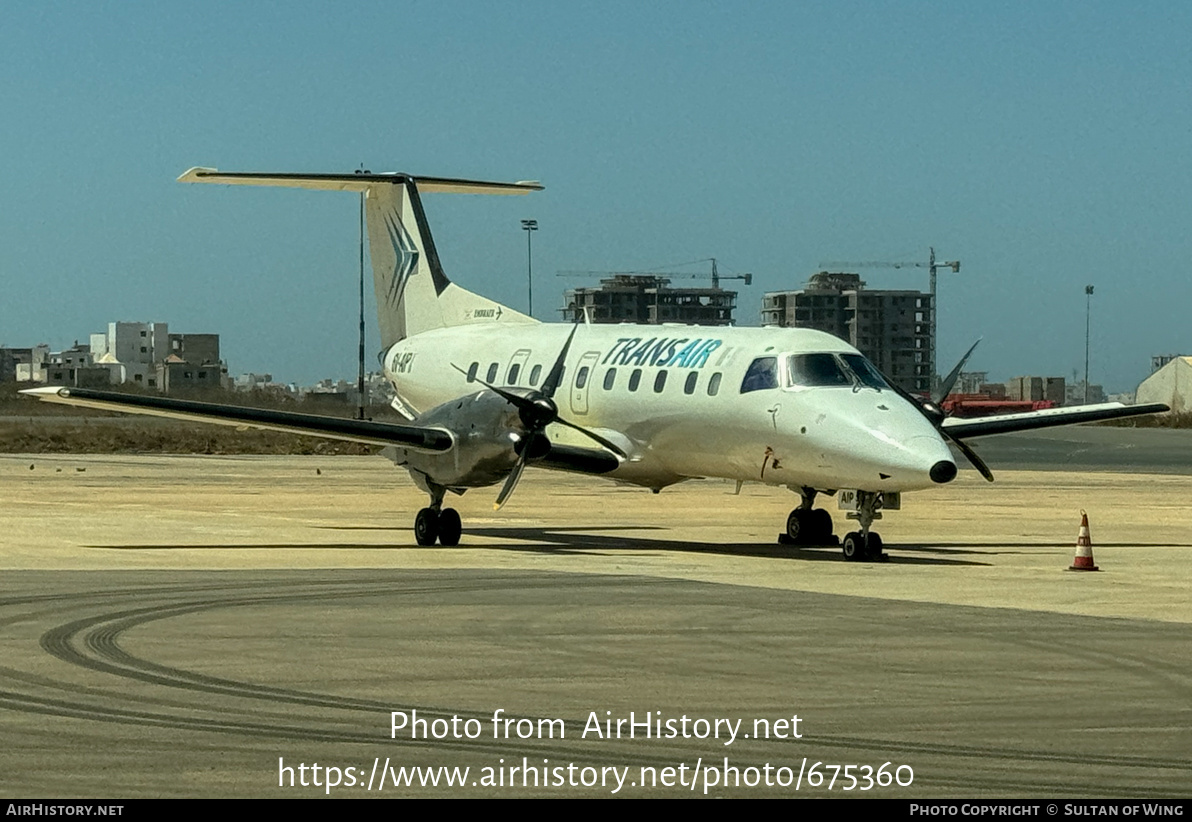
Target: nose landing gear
[865,545]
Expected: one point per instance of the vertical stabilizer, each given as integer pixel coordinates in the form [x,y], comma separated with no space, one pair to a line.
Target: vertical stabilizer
[413,294]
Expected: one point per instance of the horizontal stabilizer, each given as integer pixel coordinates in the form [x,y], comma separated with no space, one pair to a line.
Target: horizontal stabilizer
[357,182]
[413,292]
[1009,423]
[435,440]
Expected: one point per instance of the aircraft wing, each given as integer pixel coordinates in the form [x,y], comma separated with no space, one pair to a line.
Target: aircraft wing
[961,428]
[315,425]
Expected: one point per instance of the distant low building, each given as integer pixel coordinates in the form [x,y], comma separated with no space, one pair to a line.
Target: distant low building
[81,376]
[1075,393]
[1160,360]
[1036,389]
[141,354]
[24,364]
[148,355]
[197,349]
[176,376]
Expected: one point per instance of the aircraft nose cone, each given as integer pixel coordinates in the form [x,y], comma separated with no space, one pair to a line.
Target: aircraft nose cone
[943,471]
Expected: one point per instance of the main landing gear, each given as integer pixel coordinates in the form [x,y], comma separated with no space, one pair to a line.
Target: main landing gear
[813,526]
[436,522]
[806,525]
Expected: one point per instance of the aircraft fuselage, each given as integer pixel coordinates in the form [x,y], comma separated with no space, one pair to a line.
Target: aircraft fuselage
[686,401]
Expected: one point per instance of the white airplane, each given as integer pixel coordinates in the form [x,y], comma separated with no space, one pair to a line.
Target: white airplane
[489,391]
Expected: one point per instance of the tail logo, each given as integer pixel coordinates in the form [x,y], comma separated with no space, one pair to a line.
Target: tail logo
[406,254]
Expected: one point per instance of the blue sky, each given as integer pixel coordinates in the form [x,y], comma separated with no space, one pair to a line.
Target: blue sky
[1045,145]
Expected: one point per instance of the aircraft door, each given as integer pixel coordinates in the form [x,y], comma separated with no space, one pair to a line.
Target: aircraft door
[584,374]
[516,373]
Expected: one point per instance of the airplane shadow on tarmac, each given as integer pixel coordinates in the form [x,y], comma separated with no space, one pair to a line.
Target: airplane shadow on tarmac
[601,540]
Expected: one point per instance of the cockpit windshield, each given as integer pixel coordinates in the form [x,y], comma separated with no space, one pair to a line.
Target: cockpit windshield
[814,370]
[827,370]
[819,370]
[865,371]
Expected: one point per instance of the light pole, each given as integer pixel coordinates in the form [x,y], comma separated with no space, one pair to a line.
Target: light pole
[1088,311]
[360,372]
[530,226]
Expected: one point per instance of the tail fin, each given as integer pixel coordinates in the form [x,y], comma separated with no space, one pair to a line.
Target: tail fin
[413,293]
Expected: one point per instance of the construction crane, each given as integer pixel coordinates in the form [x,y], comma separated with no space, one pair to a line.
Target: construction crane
[716,276]
[931,265]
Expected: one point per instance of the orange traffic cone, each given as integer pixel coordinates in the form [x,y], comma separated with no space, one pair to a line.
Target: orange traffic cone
[1084,548]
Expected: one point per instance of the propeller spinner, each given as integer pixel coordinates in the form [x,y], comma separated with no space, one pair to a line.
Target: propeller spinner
[933,411]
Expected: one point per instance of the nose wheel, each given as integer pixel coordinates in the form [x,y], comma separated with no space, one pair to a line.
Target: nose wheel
[865,545]
[858,547]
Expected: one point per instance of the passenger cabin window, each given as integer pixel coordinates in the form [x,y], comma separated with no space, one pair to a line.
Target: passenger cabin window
[689,386]
[472,369]
[762,374]
[610,377]
[714,385]
[514,370]
[660,382]
[492,373]
[535,373]
[635,379]
[581,378]
[816,370]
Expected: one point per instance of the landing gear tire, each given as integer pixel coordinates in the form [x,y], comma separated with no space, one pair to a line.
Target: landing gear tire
[450,527]
[874,548]
[426,526]
[798,526]
[806,526]
[854,547]
[821,526]
[857,548]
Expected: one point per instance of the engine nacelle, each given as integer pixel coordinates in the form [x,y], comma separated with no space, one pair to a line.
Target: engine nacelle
[488,436]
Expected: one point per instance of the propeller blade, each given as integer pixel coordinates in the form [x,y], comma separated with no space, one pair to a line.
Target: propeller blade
[592,435]
[953,376]
[541,412]
[556,372]
[934,416]
[515,400]
[511,481]
[969,454]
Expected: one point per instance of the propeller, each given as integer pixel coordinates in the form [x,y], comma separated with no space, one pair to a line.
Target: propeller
[935,404]
[537,409]
[933,411]
[954,374]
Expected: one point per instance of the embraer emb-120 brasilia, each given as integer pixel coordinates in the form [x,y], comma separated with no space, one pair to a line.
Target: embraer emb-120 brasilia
[489,391]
